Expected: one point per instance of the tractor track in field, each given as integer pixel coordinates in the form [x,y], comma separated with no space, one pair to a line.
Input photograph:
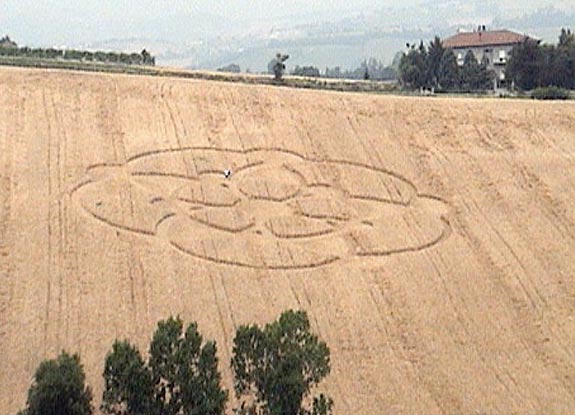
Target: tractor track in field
[430,240]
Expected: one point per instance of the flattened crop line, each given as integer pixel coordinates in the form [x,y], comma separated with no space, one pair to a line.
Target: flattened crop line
[398,176]
[369,153]
[278,150]
[228,304]
[210,204]
[334,216]
[222,227]
[516,257]
[462,322]
[174,124]
[212,171]
[185,148]
[377,299]
[552,205]
[435,198]
[446,231]
[100,165]
[162,174]
[184,129]
[13,129]
[49,216]
[295,296]
[305,132]
[231,115]
[108,122]
[283,235]
[218,149]
[296,172]
[480,173]
[324,186]
[380,200]
[244,265]
[162,220]
[264,192]
[116,225]
[269,197]
[249,165]
[218,307]
[60,164]
[298,155]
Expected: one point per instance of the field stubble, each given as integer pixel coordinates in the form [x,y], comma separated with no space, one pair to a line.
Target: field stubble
[431,241]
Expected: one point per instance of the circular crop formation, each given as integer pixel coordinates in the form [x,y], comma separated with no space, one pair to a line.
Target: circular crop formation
[276,210]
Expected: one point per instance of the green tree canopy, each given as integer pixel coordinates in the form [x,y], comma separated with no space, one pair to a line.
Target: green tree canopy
[434,57]
[276,367]
[566,38]
[10,48]
[412,69]
[449,77]
[525,63]
[555,67]
[59,389]
[376,70]
[181,376]
[128,382]
[310,71]
[475,76]
[232,67]
[535,65]
[531,65]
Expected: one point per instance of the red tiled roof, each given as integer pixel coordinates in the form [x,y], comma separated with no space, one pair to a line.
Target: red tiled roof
[487,38]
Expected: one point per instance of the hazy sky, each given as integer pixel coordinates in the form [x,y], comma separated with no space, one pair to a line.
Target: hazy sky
[63,21]
[150,8]
[73,22]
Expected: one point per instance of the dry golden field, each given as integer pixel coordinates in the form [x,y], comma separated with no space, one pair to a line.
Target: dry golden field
[432,241]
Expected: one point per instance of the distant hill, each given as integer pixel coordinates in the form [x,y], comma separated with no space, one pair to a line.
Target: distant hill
[320,36]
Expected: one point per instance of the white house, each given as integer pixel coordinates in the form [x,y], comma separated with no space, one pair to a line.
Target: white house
[493,46]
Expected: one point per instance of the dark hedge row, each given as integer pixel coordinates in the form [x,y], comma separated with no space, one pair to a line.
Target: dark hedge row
[143,58]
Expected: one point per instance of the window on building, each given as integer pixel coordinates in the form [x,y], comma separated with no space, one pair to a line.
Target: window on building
[502,55]
[460,59]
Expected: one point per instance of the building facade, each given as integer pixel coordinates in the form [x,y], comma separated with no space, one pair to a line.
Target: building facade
[490,46]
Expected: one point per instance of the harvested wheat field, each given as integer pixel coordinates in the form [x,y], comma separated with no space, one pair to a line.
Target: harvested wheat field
[432,241]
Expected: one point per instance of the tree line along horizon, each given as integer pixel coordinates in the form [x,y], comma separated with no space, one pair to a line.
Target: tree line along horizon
[531,65]
[275,369]
[9,48]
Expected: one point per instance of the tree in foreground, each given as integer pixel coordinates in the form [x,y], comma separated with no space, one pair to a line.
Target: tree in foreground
[276,367]
[59,389]
[128,382]
[181,376]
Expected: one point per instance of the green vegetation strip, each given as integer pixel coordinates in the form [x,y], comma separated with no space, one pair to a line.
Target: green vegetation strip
[293,82]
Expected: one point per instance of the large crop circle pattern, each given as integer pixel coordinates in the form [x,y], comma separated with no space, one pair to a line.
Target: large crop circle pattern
[278,209]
